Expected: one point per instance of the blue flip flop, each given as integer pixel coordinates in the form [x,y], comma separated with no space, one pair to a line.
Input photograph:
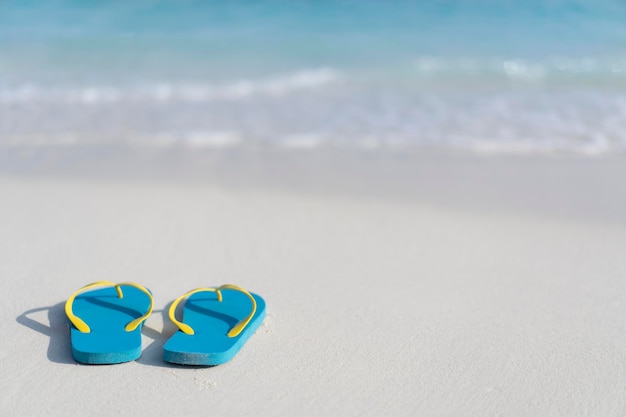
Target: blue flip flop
[218,322]
[105,323]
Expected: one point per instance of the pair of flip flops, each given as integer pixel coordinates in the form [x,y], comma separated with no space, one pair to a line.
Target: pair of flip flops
[106,320]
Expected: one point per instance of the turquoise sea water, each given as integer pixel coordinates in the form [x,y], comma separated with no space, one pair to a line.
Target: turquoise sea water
[491,75]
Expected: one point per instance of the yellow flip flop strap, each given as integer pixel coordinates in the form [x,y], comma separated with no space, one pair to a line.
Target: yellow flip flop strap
[235,331]
[83,327]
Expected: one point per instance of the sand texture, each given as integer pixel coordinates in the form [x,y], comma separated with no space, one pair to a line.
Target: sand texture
[502,293]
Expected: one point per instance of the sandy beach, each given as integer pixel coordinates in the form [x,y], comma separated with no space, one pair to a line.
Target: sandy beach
[441,284]
[429,197]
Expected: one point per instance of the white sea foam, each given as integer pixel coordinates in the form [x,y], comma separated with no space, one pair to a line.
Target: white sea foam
[309,142]
[530,147]
[302,141]
[224,139]
[520,69]
[180,91]
[519,120]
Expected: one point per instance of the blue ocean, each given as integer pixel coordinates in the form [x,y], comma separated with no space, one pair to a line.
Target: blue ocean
[501,76]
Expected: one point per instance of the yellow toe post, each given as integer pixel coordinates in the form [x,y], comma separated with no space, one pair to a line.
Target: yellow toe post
[235,331]
[83,327]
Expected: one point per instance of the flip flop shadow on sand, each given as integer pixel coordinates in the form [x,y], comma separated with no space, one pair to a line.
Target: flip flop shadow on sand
[152,354]
[59,348]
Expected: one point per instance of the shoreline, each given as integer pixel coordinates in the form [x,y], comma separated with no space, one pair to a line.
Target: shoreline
[556,185]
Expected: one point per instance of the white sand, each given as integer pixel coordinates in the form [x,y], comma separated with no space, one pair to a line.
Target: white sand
[502,292]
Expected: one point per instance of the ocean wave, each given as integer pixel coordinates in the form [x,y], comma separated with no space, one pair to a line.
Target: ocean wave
[519,69]
[180,91]
[309,142]
[500,121]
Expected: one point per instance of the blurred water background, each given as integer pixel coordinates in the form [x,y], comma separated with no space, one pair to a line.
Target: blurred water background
[490,75]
